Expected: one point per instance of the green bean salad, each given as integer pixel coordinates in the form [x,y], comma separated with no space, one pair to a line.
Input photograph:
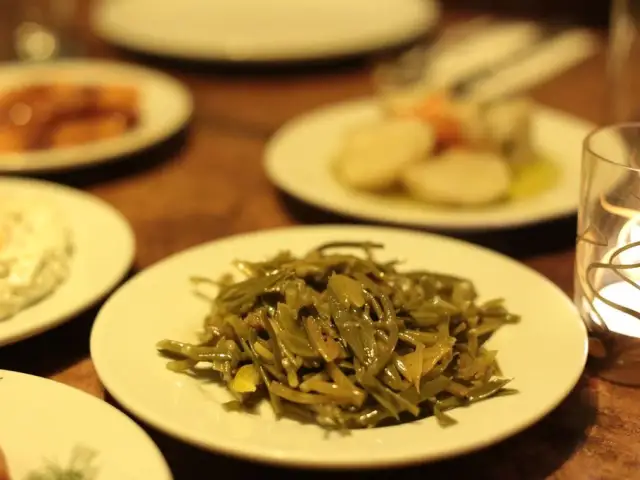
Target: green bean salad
[344,341]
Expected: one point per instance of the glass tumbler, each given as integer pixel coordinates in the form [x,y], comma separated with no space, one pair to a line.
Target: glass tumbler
[624,61]
[607,268]
[44,29]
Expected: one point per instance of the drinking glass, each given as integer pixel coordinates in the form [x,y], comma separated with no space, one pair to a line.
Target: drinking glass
[607,269]
[624,61]
[43,29]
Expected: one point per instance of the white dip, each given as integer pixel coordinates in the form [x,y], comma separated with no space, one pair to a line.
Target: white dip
[35,252]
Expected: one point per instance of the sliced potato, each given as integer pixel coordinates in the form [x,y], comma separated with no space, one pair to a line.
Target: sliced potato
[459,177]
[373,156]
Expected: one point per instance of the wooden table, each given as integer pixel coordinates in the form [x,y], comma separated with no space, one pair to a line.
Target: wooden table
[208,183]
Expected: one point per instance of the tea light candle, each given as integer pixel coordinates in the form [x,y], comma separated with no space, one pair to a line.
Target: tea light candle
[617,321]
[623,293]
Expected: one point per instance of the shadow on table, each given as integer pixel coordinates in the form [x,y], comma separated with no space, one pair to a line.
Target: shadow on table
[531,455]
[124,166]
[55,350]
[263,69]
[529,241]
[51,352]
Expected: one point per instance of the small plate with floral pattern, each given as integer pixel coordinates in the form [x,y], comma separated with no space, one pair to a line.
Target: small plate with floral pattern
[50,430]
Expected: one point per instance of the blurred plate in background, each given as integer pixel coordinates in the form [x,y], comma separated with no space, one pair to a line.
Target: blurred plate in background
[299,157]
[259,31]
[104,248]
[164,106]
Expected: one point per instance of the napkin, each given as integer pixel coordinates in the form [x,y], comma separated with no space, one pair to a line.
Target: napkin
[492,45]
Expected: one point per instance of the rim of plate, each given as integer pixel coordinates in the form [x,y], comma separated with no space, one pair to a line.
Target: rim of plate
[277,168]
[79,305]
[109,376]
[148,133]
[144,440]
[114,33]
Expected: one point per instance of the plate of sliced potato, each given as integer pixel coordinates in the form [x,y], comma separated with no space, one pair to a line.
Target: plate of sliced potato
[433,161]
[74,113]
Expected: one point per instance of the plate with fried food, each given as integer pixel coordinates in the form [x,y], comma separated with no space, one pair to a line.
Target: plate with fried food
[433,160]
[76,113]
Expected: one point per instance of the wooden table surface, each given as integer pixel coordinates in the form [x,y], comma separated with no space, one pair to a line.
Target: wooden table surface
[208,183]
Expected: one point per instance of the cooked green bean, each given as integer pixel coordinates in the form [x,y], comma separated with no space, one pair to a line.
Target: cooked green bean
[346,341]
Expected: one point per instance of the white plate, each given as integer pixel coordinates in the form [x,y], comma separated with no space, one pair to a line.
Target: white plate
[165,107]
[298,161]
[159,303]
[259,31]
[104,248]
[44,421]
